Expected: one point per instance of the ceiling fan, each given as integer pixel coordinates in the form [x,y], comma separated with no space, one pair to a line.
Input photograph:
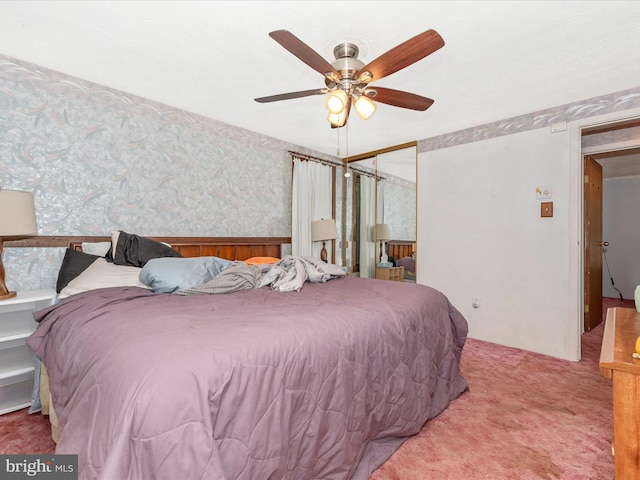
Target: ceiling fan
[347,78]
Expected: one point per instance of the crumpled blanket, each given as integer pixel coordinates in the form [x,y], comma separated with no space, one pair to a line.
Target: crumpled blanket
[290,273]
[287,275]
[237,276]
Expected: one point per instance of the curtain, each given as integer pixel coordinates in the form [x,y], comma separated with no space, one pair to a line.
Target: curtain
[380,203]
[380,217]
[312,199]
[367,222]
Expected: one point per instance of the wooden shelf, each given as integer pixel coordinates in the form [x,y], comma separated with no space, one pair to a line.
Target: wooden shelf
[17,362]
[622,328]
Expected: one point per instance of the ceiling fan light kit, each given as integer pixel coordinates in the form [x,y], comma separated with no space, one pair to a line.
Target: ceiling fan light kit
[338,119]
[364,107]
[336,101]
[347,78]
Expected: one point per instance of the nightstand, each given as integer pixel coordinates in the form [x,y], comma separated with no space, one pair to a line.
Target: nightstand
[17,361]
[395,274]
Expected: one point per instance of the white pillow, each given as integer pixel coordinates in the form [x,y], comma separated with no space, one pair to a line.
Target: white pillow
[96,248]
[102,274]
[114,242]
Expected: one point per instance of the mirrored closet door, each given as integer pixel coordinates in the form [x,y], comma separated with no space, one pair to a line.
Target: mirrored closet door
[380,212]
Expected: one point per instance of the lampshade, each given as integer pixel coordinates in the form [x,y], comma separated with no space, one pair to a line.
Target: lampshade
[364,107]
[17,219]
[338,119]
[323,230]
[17,214]
[336,101]
[383,232]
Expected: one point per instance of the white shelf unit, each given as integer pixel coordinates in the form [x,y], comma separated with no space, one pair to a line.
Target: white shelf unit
[17,361]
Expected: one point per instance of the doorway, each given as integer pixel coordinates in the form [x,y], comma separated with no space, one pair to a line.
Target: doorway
[593,243]
[612,161]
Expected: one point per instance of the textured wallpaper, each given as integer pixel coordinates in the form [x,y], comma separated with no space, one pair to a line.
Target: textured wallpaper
[614,102]
[98,160]
[400,207]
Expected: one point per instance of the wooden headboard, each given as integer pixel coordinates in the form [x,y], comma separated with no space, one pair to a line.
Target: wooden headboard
[400,248]
[229,248]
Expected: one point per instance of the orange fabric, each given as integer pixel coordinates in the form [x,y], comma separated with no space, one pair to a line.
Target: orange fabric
[261,260]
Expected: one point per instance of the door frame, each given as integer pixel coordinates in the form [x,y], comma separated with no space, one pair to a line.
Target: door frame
[576,215]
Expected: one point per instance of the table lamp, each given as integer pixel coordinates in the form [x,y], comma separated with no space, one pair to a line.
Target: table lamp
[17,219]
[323,230]
[383,233]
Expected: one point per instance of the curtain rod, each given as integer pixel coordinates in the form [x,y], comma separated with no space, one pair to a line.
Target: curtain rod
[303,156]
[324,161]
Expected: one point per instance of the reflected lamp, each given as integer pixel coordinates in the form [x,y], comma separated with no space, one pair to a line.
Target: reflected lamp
[383,233]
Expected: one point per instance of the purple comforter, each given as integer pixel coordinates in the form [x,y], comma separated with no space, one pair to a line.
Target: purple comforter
[257,384]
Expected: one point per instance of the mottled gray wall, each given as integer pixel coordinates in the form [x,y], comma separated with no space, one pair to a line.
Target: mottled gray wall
[98,160]
[400,207]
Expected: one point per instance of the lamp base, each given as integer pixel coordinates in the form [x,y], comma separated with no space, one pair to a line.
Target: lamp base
[323,252]
[7,296]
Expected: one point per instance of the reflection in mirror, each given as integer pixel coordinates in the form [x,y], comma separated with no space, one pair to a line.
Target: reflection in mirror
[396,206]
[382,191]
[359,212]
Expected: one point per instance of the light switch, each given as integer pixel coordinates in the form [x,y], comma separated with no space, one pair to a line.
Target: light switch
[546,209]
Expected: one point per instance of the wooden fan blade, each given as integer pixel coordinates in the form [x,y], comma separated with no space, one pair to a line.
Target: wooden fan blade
[290,95]
[398,98]
[402,56]
[304,52]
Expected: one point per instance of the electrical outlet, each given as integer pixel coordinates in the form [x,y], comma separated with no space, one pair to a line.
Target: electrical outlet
[475,302]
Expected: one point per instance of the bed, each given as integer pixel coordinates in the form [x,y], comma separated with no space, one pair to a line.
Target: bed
[403,253]
[322,382]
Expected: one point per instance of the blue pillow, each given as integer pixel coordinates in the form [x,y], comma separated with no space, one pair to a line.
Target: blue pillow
[168,274]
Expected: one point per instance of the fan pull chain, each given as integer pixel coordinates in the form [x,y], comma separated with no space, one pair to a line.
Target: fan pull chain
[347,173]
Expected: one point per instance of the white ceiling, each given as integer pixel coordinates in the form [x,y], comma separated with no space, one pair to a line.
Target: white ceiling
[501,58]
